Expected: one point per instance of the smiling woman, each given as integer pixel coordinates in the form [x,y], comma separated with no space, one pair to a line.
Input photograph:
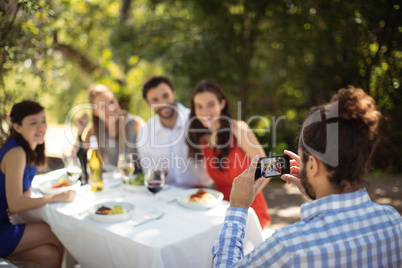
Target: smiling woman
[29,128]
[19,156]
[227,145]
[115,129]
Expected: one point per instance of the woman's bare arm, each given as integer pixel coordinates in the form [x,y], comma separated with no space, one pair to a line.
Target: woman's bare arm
[13,165]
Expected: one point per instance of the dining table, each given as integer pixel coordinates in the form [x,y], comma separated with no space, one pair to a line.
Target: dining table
[158,232]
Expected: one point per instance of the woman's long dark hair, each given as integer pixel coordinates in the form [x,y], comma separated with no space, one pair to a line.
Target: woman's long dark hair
[18,113]
[194,136]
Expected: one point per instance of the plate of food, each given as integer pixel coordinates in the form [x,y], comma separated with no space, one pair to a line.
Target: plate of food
[135,183]
[59,185]
[199,198]
[111,211]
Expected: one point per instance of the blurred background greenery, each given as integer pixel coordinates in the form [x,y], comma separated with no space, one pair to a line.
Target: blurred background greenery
[275,59]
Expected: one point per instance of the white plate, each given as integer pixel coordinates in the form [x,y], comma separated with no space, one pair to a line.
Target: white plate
[128,208]
[195,205]
[46,186]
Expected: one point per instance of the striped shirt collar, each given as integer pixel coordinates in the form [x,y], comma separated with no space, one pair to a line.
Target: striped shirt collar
[334,203]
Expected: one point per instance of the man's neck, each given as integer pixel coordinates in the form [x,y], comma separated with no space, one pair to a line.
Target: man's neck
[329,189]
[171,122]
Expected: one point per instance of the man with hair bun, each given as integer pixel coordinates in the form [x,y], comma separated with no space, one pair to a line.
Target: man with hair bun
[341,226]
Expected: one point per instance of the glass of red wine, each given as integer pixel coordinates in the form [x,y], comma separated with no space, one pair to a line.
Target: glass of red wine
[155,180]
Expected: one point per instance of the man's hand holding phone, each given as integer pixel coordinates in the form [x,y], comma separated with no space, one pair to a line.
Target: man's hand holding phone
[272,166]
[245,187]
[294,176]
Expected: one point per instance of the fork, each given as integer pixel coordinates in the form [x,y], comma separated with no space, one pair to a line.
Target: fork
[150,219]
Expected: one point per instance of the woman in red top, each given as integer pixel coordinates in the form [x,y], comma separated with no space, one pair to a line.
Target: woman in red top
[227,145]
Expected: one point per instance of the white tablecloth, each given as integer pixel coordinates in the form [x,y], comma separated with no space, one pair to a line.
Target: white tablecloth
[182,238]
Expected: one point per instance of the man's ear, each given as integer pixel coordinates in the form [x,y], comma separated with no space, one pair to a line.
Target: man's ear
[314,167]
[17,127]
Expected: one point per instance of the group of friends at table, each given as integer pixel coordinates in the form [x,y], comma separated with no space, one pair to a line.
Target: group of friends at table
[203,146]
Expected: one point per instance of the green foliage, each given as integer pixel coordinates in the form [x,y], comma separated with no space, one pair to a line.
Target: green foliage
[378,173]
[22,41]
[276,58]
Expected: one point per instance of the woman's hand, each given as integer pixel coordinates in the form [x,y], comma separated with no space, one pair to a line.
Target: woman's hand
[245,188]
[294,176]
[67,196]
[9,212]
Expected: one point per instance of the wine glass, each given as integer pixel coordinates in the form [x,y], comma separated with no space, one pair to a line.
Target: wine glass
[126,166]
[72,165]
[155,180]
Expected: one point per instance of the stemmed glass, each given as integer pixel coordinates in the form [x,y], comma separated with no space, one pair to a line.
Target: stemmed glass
[126,166]
[73,168]
[155,180]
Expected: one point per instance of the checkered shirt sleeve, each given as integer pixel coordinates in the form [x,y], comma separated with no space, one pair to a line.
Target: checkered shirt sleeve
[340,230]
[228,248]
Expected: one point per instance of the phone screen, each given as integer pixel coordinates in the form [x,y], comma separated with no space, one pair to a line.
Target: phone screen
[272,166]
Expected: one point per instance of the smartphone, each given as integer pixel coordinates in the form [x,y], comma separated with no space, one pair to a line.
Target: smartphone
[272,166]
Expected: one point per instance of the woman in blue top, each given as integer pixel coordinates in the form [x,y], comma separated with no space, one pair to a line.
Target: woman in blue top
[22,152]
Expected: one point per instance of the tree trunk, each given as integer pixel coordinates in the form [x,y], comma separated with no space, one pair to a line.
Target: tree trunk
[74,55]
[125,8]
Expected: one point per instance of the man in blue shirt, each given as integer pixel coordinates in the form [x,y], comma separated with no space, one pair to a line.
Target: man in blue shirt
[340,227]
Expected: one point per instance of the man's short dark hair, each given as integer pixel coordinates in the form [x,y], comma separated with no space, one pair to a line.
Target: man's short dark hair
[154,81]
